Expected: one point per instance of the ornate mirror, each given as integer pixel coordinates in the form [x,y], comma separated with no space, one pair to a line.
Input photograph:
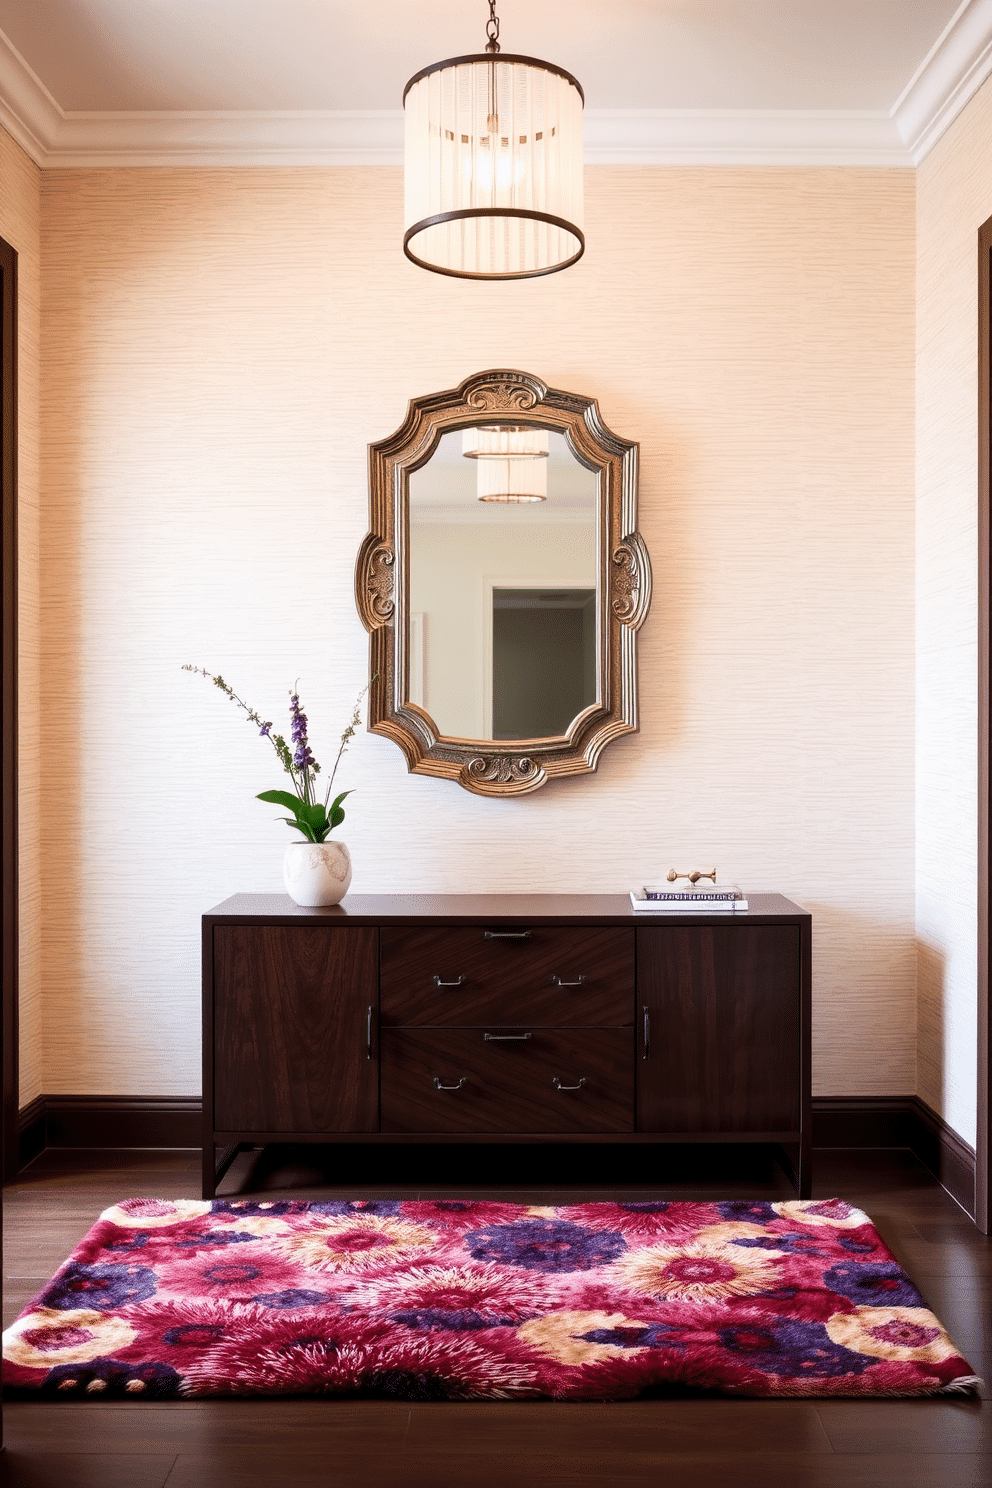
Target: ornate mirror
[503,583]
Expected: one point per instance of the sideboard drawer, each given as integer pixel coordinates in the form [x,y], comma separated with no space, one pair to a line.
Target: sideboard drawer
[476,976]
[505,1079]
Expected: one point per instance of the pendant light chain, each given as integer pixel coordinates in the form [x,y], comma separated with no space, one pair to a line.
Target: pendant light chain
[492,47]
[492,28]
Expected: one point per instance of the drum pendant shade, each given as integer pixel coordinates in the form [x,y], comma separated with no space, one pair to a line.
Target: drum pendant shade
[511,480]
[511,462]
[507,442]
[493,177]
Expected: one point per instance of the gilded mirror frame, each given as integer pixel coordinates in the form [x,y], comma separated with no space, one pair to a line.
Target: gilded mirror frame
[382,585]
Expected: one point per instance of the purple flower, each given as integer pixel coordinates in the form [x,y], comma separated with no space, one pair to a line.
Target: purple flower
[293,1297]
[440,1319]
[210,1238]
[791,1348]
[264,730]
[634,1335]
[754,1211]
[104,1288]
[545,1245]
[873,1284]
[298,719]
[354,1206]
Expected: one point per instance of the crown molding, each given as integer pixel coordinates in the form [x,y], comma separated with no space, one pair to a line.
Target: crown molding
[742,137]
[948,77]
[375,137]
[28,112]
[341,137]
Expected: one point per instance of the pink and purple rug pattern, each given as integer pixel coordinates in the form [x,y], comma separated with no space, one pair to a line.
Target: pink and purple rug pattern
[469,1300]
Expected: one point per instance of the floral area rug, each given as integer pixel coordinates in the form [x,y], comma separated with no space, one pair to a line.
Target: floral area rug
[465,1300]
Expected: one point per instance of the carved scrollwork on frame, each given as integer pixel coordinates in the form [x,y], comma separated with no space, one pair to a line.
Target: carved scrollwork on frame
[630,589]
[610,587]
[374,582]
[506,392]
[503,769]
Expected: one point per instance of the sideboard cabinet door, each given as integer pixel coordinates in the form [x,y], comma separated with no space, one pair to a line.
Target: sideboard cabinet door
[721,1009]
[292,1029]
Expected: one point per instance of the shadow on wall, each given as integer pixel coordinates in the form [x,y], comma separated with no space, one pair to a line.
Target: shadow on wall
[864,1020]
[931,965]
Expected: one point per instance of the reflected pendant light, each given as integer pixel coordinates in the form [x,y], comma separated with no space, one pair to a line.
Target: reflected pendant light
[493,165]
[511,462]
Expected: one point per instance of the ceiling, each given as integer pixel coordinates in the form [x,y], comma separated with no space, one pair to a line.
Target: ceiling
[299,81]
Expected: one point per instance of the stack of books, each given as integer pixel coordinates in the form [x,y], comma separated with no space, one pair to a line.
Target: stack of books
[667,899]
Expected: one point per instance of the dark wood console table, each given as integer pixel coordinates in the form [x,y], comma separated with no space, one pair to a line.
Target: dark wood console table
[504,1018]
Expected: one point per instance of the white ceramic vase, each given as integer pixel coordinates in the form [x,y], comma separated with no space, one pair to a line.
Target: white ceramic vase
[316,874]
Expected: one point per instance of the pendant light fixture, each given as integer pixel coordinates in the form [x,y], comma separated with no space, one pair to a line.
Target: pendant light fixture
[511,462]
[493,165]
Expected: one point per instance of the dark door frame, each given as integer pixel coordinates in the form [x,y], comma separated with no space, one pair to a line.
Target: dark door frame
[983,1145]
[8,704]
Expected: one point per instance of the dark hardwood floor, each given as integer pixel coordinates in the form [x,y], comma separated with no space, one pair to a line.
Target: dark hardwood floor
[691,1442]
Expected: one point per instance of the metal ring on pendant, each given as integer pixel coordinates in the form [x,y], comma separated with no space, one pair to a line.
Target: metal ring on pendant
[442,217]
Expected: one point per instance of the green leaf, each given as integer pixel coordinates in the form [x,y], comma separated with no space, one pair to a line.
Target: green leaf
[299,826]
[283,798]
[316,817]
[337,817]
[337,801]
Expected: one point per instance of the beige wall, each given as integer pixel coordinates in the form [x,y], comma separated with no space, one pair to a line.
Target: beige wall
[20,224]
[218,349]
[955,198]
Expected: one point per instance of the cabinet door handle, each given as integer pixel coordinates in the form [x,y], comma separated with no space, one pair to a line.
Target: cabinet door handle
[647,1033]
[456,983]
[506,934]
[505,1038]
[439,1086]
[368,1033]
[559,983]
[559,1086]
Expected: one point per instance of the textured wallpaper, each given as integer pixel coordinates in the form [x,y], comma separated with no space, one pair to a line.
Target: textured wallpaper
[219,347]
[955,198]
[20,224]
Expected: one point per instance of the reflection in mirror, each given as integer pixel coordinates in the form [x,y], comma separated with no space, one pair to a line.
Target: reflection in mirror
[503,584]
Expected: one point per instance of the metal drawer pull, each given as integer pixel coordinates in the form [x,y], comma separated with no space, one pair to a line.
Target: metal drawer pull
[559,1086]
[439,1086]
[647,1034]
[457,983]
[505,1038]
[368,1033]
[559,983]
[506,934]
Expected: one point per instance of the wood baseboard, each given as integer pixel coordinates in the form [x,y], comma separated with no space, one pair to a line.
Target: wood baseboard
[175,1121]
[109,1121]
[31,1130]
[899,1121]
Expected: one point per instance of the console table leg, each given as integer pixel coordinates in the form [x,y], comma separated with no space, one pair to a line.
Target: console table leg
[214,1171]
[209,1180]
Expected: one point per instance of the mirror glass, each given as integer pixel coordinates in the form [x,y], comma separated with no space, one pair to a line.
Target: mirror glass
[503,584]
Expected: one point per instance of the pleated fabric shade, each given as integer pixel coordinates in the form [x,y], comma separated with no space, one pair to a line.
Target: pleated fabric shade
[511,462]
[493,175]
[512,480]
[507,441]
